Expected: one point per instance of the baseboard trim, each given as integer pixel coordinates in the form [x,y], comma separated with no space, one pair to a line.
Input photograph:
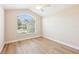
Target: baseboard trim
[7,42]
[2,47]
[77,48]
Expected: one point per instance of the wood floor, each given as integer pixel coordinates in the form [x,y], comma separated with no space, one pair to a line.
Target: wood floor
[37,46]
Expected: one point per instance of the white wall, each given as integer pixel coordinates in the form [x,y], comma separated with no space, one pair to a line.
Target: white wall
[63,26]
[11,25]
[1,28]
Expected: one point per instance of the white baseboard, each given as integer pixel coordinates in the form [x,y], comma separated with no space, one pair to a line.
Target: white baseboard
[61,42]
[64,43]
[7,42]
[2,47]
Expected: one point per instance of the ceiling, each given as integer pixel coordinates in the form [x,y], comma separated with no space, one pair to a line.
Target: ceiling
[47,11]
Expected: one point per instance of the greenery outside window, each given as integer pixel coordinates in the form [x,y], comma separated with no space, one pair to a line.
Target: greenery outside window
[25,24]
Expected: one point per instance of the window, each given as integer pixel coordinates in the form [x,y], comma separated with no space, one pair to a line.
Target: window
[25,24]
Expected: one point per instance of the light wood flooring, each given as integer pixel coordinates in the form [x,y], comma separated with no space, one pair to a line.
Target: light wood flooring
[38,46]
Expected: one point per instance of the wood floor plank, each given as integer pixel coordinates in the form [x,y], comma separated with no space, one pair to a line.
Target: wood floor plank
[38,46]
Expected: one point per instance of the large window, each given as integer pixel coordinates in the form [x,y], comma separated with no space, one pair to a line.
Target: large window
[25,24]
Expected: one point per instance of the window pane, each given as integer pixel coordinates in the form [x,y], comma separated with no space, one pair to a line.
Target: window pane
[26,24]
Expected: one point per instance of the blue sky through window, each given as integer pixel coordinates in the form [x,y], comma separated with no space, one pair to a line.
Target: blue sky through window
[22,17]
[26,24]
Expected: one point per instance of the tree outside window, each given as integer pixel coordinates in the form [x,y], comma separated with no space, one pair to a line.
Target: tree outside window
[26,24]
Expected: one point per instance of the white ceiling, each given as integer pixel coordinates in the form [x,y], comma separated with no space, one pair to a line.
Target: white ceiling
[48,11]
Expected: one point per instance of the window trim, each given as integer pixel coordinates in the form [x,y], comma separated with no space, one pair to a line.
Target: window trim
[28,33]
